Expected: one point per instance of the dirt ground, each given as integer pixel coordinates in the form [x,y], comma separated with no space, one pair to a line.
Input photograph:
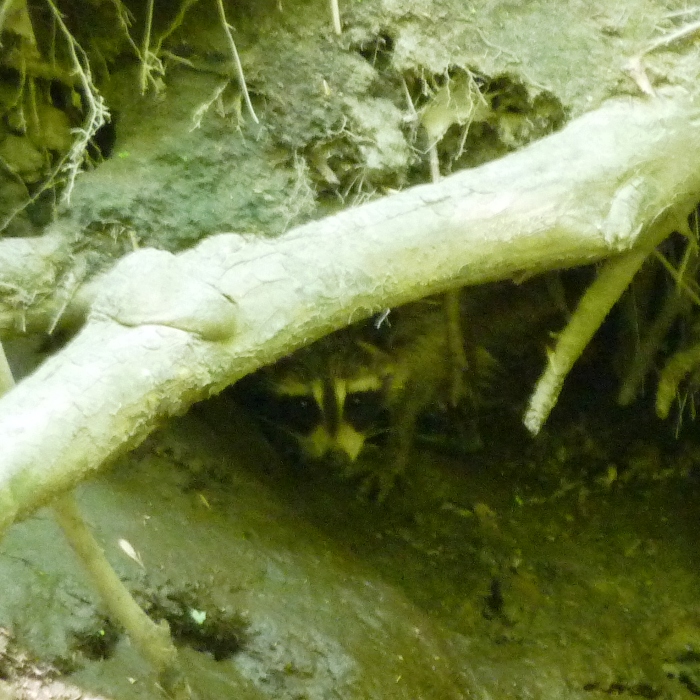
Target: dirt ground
[562,567]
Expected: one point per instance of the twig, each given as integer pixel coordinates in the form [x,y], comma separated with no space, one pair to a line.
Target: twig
[97,113]
[203,108]
[635,67]
[674,306]
[678,302]
[678,278]
[177,21]
[151,639]
[236,59]
[668,39]
[125,18]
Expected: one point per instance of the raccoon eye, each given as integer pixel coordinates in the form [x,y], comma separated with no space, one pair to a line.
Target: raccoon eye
[301,413]
[298,414]
[365,409]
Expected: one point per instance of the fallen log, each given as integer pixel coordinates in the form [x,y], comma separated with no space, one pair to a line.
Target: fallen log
[167,330]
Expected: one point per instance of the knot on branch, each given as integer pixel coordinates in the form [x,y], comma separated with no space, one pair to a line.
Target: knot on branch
[154,287]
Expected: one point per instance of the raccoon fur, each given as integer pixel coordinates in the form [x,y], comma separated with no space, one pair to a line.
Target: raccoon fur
[353,399]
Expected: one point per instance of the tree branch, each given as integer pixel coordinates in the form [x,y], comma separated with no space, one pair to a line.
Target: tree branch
[165,330]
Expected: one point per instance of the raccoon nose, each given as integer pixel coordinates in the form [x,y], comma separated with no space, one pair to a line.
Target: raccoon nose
[348,441]
[339,459]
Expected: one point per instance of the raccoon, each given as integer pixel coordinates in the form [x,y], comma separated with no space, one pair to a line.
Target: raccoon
[352,399]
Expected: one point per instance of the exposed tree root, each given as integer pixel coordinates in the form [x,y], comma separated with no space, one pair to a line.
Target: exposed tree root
[676,370]
[613,279]
[152,640]
[335,15]
[677,303]
[97,112]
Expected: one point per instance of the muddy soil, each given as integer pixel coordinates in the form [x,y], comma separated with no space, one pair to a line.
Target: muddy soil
[561,568]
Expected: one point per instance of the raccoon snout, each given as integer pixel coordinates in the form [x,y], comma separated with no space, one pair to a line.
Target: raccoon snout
[344,443]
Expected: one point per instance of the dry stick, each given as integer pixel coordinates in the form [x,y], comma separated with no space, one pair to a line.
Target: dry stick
[335,13]
[151,639]
[613,278]
[236,60]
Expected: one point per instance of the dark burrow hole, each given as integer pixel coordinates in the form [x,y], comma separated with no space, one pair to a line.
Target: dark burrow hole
[101,145]
[643,690]
[98,642]
[197,623]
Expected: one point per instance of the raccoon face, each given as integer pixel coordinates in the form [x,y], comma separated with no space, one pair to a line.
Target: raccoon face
[357,386]
[332,416]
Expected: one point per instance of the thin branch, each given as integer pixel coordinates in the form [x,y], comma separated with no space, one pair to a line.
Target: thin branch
[236,60]
[177,21]
[635,67]
[125,18]
[688,286]
[152,640]
[681,33]
[674,306]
